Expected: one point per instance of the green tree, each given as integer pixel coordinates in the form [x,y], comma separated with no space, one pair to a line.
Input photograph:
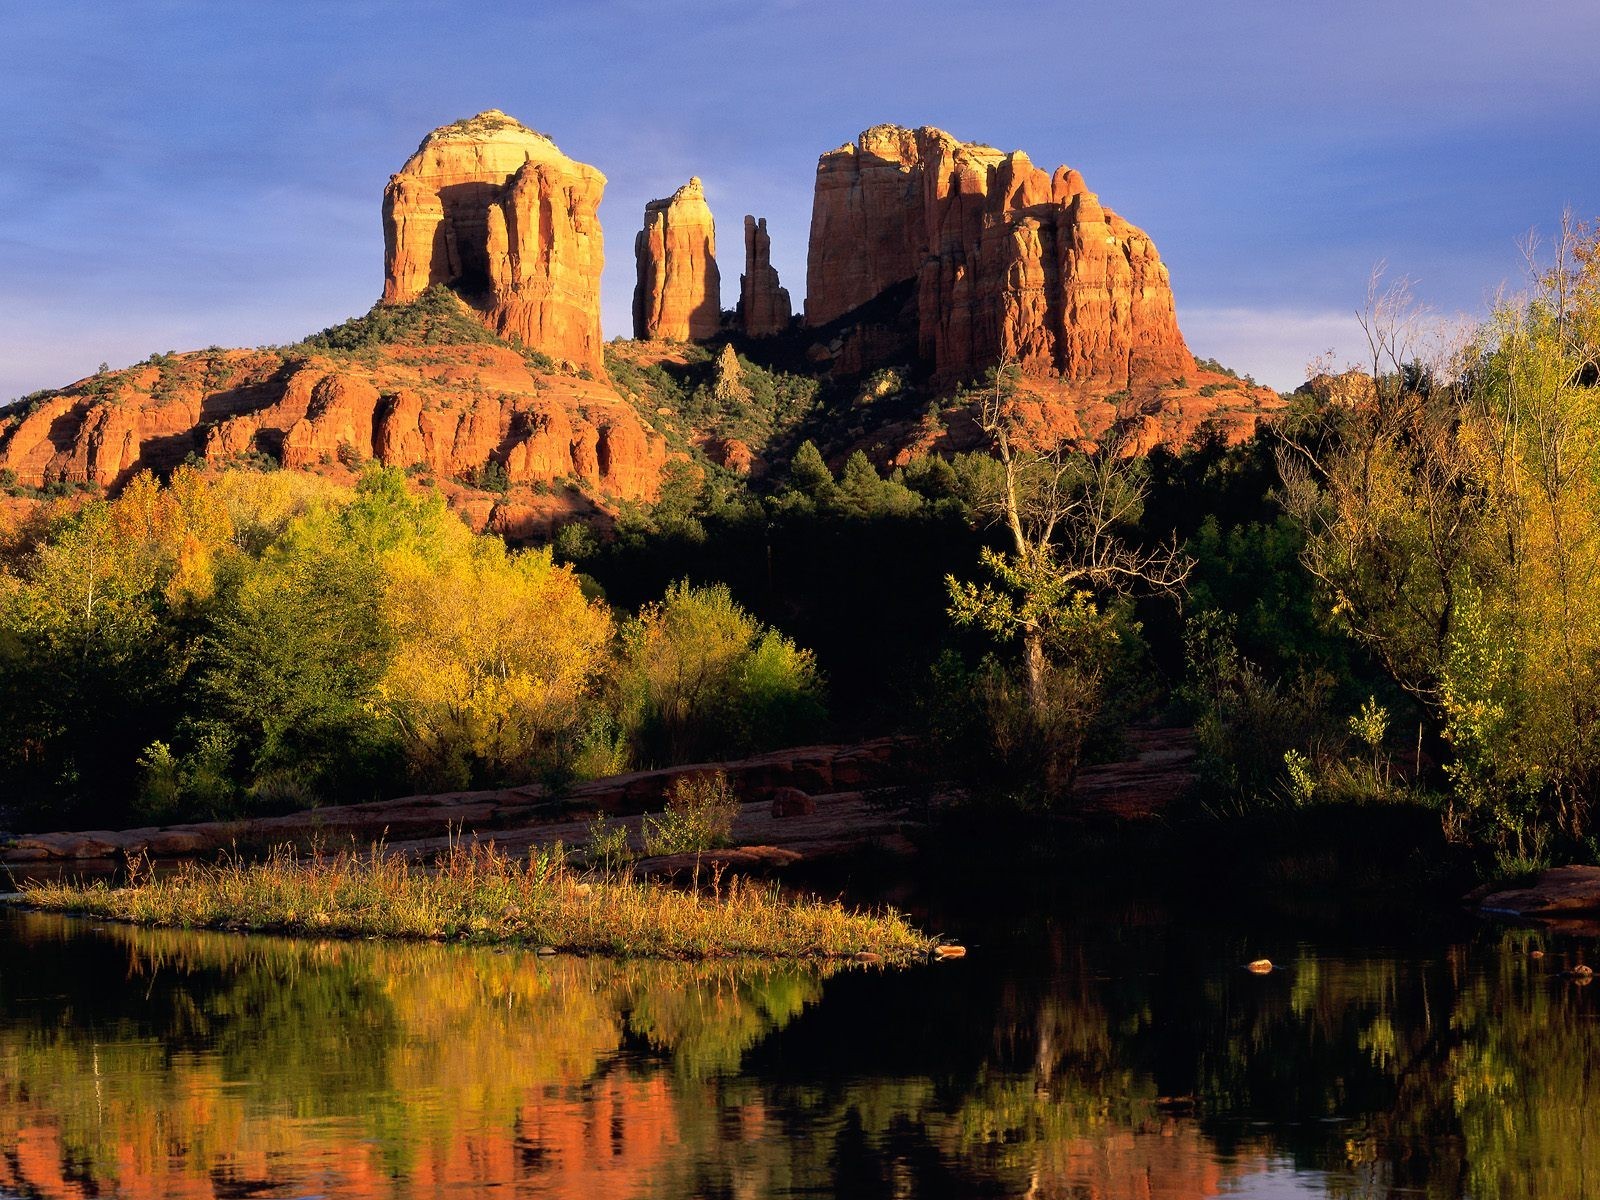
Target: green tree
[1068,516]
[699,677]
[292,663]
[1453,520]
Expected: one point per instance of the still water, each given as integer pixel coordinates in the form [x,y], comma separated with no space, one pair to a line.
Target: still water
[1124,1055]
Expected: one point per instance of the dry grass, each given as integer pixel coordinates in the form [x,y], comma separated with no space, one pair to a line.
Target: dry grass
[476,894]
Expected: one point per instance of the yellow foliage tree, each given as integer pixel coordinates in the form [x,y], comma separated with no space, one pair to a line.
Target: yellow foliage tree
[497,655]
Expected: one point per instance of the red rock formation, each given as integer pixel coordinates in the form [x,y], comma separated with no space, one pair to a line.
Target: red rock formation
[1006,260]
[763,304]
[494,210]
[339,420]
[868,230]
[451,409]
[679,293]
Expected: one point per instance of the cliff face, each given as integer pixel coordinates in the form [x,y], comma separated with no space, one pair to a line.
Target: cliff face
[1003,259]
[494,210]
[453,410]
[763,303]
[679,291]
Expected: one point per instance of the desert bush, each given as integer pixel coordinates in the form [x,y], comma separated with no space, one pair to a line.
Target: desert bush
[699,816]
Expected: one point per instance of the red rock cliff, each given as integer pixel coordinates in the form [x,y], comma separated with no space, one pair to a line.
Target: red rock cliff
[1006,260]
[497,212]
[450,409]
[679,292]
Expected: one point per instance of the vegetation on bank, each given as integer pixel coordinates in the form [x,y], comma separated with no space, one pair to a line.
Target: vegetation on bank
[476,894]
[1389,597]
[255,642]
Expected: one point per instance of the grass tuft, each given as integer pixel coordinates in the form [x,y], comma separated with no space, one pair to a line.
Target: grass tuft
[474,893]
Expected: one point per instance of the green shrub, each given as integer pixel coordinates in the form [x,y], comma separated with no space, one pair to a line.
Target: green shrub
[698,817]
[607,847]
[699,678]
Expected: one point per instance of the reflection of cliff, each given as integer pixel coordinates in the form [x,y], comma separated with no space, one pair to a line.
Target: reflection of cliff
[160,1064]
[353,1071]
[365,1071]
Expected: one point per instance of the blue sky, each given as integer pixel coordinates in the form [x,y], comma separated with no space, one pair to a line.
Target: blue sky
[180,174]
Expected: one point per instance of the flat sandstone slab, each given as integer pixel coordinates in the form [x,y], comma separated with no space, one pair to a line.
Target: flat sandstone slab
[1560,890]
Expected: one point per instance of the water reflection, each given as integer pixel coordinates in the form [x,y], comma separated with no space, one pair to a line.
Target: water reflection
[1136,1061]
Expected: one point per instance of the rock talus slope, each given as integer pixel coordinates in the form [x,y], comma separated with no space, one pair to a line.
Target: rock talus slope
[452,410]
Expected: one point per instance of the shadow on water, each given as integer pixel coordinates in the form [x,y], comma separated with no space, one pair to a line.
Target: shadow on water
[1114,1054]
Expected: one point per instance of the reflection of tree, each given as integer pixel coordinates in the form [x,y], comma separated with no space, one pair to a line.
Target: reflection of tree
[154,1062]
[243,1051]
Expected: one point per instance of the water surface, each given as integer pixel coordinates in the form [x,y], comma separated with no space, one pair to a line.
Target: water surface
[1109,1057]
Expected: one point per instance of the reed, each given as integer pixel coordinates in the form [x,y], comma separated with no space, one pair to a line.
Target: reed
[475,893]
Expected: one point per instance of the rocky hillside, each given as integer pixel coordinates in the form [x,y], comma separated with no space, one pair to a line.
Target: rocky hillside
[514,439]
[482,367]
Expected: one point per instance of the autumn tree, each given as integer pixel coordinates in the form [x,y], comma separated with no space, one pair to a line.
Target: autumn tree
[1453,519]
[497,661]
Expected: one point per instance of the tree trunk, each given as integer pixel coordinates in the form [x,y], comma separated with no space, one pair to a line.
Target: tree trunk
[1036,677]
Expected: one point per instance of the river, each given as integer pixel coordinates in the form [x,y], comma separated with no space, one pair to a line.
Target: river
[1111,1054]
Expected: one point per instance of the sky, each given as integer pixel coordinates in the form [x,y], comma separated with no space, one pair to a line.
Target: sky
[179,174]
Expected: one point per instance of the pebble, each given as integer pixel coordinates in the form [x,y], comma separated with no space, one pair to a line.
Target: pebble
[1261,966]
[867,956]
[949,952]
[545,951]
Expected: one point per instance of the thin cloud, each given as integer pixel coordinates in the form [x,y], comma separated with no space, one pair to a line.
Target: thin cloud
[1275,345]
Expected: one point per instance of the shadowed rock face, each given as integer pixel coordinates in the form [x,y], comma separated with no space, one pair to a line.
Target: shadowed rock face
[494,210]
[1006,261]
[763,304]
[679,292]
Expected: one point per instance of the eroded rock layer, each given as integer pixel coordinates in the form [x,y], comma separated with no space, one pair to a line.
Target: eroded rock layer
[450,410]
[764,307]
[495,211]
[678,296]
[1005,261]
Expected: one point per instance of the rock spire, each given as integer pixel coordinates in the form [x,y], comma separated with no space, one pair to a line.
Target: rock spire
[679,291]
[763,304]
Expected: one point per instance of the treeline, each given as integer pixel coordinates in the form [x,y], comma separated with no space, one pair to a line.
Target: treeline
[1391,596]
[258,641]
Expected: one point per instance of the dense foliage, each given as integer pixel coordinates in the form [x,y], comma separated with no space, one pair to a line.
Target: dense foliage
[254,641]
[1390,596]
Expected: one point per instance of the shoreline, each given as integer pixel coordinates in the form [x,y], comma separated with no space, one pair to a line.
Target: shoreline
[479,896]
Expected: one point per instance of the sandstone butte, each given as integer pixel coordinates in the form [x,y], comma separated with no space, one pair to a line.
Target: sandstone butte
[496,212]
[994,260]
[678,296]
[764,307]
[924,251]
